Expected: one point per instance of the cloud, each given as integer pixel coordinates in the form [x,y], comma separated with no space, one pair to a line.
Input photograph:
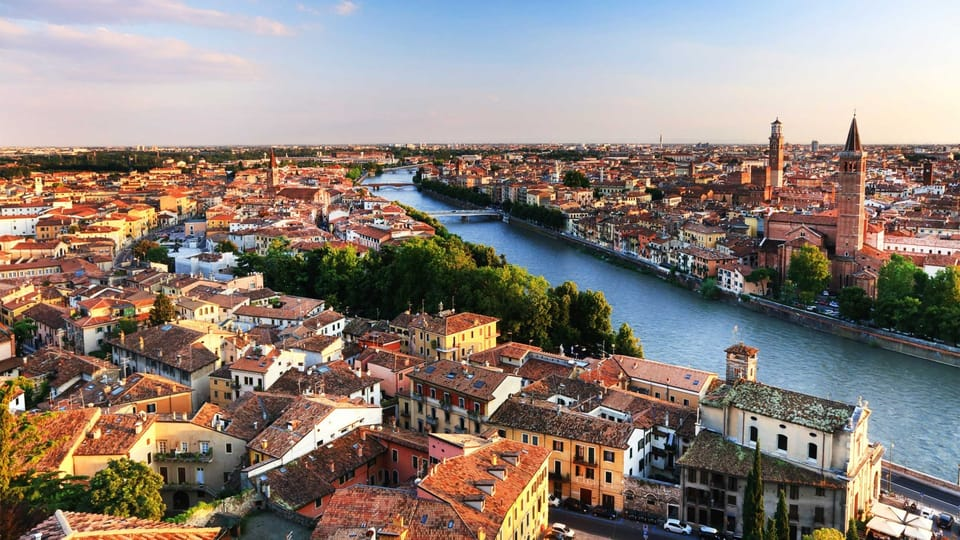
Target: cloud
[307,9]
[346,7]
[95,12]
[56,52]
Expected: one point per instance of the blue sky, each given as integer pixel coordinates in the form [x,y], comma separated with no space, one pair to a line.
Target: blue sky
[125,72]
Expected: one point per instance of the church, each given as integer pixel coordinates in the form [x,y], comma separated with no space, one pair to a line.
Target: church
[843,234]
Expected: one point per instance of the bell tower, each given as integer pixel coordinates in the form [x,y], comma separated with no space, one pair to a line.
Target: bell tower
[741,363]
[850,200]
[272,174]
[775,156]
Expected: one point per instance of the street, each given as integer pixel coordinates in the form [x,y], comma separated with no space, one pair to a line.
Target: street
[591,528]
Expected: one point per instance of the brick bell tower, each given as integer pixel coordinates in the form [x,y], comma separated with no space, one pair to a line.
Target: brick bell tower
[776,155]
[852,179]
[273,174]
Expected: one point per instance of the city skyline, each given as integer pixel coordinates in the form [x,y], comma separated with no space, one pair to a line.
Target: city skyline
[169,72]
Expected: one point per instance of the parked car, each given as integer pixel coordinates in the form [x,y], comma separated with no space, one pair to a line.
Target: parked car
[605,512]
[563,530]
[945,521]
[575,505]
[676,526]
[927,513]
[553,501]
[709,533]
[631,514]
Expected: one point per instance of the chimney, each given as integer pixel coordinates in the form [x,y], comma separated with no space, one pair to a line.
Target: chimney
[138,427]
[333,466]
[96,433]
[493,460]
[359,450]
[363,435]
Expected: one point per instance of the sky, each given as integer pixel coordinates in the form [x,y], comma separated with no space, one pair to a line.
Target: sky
[258,72]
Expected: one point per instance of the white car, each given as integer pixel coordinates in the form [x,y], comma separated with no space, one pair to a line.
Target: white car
[562,530]
[553,501]
[677,526]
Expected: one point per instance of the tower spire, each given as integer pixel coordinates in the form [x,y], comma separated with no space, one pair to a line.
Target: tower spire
[853,137]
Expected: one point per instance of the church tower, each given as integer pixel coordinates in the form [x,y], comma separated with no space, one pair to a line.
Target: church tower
[741,363]
[273,173]
[776,155]
[850,201]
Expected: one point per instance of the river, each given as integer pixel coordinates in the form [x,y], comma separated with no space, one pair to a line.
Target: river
[915,403]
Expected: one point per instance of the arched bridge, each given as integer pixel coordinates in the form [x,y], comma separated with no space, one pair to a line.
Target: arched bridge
[388,185]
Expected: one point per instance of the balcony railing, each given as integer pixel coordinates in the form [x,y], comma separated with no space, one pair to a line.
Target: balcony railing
[583,458]
[194,457]
[432,420]
[416,396]
[563,477]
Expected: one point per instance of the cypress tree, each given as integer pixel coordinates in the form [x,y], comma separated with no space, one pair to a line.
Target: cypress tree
[754,516]
[852,532]
[781,528]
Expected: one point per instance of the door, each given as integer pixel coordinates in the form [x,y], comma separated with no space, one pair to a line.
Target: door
[181,475]
[586,496]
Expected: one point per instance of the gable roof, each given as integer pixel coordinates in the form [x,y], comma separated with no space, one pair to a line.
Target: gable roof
[781,404]
[65,525]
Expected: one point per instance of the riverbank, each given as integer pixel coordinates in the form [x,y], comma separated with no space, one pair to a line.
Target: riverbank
[874,337]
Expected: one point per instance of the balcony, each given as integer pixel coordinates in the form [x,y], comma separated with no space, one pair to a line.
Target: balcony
[416,396]
[405,413]
[563,477]
[185,457]
[584,459]
[432,420]
[475,415]
[445,405]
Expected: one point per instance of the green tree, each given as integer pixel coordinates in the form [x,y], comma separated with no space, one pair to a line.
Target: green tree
[158,255]
[826,534]
[142,247]
[763,277]
[127,488]
[781,519]
[226,246]
[855,304]
[897,300]
[626,343]
[809,271]
[754,515]
[709,289]
[852,531]
[125,325]
[163,310]
[575,179]
[354,173]
[23,331]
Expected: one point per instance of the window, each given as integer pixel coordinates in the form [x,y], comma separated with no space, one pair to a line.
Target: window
[536,440]
[151,407]
[692,476]
[818,514]
[419,389]
[524,438]
[794,512]
[461,403]
[229,449]
[204,447]
[162,447]
[184,446]
[821,492]
[753,434]
[394,456]
[608,456]
[558,446]
[608,477]
[416,463]
[433,393]
[589,474]
[794,492]
[731,500]
[812,451]
[732,483]
[782,442]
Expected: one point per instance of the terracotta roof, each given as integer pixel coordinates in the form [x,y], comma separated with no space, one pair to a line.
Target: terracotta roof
[252,413]
[457,480]
[711,452]
[539,416]
[680,377]
[60,432]
[335,378]
[297,421]
[394,361]
[782,404]
[470,381]
[64,525]
[315,474]
[391,512]
[451,324]
[115,434]
[169,344]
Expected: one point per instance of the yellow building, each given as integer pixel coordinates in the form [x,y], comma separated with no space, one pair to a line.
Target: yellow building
[589,455]
[499,490]
[446,336]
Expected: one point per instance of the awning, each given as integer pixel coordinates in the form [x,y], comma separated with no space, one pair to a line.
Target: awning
[886,527]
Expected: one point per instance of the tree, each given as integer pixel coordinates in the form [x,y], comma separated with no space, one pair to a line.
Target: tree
[226,246]
[754,515]
[354,173]
[709,289]
[897,298]
[809,271]
[23,331]
[763,277]
[163,310]
[575,179]
[158,255]
[626,343]
[853,532]
[125,325]
[127,488]
[141,248]
[781,519]
[855,304]
[825,534]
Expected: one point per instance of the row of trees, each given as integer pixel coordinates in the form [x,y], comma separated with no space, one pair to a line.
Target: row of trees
[425,273]
[541,215]
[909,300]
[27,496]
[456,192]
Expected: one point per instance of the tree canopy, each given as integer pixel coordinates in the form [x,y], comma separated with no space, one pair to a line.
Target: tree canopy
[163,310]
[754,514]
[809,271]
[575,179]
[127,488]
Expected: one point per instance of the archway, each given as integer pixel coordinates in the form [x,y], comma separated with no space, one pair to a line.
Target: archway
[181,501]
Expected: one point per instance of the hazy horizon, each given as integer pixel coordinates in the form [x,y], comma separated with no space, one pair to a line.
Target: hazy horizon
[222,73]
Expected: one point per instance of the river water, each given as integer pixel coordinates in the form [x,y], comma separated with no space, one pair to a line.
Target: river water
[915,403]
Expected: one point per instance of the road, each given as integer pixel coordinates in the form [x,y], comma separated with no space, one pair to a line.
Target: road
[593,528]
[923,493]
